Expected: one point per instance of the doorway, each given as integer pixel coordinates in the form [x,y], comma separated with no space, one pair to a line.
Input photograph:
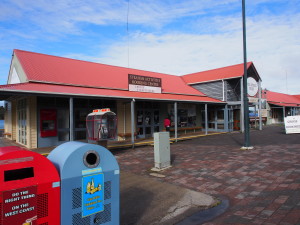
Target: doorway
[147,120]
[22,121]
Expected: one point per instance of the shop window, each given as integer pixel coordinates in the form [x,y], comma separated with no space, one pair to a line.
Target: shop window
[140,117]
[62,102]
[80,118]
[140,131]
[186,115]
[63,118]
[156,117]
[63,136]
[81,103]
[147,118]
[220,115]
[182,118]
[80,135]
[46,101]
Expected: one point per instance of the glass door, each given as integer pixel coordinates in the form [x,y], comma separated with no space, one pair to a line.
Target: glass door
[140,124]
[63,125]
[230,119]
[22,122]
[147,122]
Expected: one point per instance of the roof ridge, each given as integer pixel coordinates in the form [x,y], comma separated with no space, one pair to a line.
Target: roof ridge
[239,64]
[85,61]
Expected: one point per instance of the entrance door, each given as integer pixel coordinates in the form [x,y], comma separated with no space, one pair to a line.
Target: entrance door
[230,119]
[63,124]
[22,121]
[147,122]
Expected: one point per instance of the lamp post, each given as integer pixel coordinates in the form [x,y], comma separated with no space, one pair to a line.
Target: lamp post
[245,86]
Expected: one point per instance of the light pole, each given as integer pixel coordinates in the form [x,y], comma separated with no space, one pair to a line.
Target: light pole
[245,88]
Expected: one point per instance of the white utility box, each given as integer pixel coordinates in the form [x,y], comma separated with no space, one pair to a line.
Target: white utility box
[162,154]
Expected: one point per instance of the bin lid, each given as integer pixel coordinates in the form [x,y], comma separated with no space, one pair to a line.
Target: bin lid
[69,157]
[21,168]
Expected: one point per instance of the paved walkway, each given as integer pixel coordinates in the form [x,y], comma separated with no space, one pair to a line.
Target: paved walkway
[262,185]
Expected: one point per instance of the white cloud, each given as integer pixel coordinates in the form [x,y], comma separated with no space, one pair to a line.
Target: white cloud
[68,16]
[272,44]
[211,38]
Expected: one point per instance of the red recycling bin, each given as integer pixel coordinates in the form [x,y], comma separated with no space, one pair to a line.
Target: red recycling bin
[29,188]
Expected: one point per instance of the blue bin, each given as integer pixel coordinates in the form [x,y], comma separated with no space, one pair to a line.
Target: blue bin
[90,184]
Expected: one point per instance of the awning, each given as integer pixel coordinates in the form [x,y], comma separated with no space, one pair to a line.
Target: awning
[54,89]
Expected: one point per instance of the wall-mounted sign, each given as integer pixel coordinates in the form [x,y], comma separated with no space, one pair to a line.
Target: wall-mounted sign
[144,84]
[292,124]
[252,86]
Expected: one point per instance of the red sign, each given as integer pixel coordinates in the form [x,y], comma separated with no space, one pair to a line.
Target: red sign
[20,206]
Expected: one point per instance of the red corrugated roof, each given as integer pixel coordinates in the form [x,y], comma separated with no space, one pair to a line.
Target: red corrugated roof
[281,99]
[216,74]
[53,69]
[39,88]
[297,96]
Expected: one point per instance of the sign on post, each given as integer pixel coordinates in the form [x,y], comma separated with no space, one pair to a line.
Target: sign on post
[292,124]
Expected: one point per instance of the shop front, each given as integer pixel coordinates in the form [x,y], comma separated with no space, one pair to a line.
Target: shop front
[48,106]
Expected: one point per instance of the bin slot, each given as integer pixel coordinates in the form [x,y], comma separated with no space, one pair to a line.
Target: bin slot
[18,174]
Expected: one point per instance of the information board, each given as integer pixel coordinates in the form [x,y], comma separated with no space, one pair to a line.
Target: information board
[20,206]
[144,84]
[92,194]
[292,124]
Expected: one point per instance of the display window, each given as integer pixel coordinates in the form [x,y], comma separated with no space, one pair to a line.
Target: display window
[186,115]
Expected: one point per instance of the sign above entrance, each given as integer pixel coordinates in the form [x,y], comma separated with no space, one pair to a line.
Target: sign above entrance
[252,86]
[144,84]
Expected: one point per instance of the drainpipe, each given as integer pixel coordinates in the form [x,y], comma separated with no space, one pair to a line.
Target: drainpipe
[124,127]
[71,107]
[132,122]
[175,120]
[259,105]
[226,118]
[206,122]
[223,86]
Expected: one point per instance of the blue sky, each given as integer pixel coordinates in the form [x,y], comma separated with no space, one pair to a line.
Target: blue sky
[169,36]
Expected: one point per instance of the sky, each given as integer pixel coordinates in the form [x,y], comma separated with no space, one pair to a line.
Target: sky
[169,36]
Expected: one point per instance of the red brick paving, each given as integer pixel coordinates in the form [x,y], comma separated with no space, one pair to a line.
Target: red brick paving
[262,185]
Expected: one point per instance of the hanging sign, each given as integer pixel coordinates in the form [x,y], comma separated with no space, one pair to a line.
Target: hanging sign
[292,124]
[252,86]
[144,84]
[92,194]
[20,206]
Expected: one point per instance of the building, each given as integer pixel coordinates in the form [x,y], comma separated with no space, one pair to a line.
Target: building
[226,84]
[48,98]
[280,105]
